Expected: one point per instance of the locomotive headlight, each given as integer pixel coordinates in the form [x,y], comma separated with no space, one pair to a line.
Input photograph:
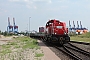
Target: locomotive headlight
[65,33]
[55,33]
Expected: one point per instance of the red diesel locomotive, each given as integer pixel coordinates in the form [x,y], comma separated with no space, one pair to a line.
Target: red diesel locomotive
[56,31]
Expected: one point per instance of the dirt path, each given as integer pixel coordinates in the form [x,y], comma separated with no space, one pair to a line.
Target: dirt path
[4,40]
[48,54]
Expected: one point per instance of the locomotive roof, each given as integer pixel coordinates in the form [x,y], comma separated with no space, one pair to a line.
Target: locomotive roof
[53,20]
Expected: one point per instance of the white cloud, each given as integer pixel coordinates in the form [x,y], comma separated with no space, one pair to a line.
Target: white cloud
[63,1]
[27,1]
[48,1]
[2,12]
[14,0]
[64,7]
[35,7]
[32,3]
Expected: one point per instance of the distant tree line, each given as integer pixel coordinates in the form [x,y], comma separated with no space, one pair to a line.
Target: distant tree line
[5,33]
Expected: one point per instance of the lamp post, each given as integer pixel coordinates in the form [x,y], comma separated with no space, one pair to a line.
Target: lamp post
[29,26]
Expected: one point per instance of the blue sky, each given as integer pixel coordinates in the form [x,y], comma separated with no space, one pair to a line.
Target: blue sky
[41,11]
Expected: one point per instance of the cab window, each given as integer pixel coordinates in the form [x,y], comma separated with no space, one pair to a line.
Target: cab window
[59,27]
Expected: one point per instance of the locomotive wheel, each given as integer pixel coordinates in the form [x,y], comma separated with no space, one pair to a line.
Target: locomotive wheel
[61,42]
[45,39]
[49,39]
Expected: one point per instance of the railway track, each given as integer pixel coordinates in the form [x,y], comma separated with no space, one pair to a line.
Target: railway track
[82,54]
[74,52]
[80,42]
[71,51]
[67,52]
[79,50]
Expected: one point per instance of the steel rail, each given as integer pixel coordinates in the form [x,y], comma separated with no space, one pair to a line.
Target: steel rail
[79,50]
[68,53]
[80,42]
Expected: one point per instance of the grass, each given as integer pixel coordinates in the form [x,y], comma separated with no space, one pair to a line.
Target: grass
[25,43]
[28,42]
[23,39]
[39,55]
[19,45]
[12,43]
[5,51]
[82,38]
[6,46]
[30,45]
